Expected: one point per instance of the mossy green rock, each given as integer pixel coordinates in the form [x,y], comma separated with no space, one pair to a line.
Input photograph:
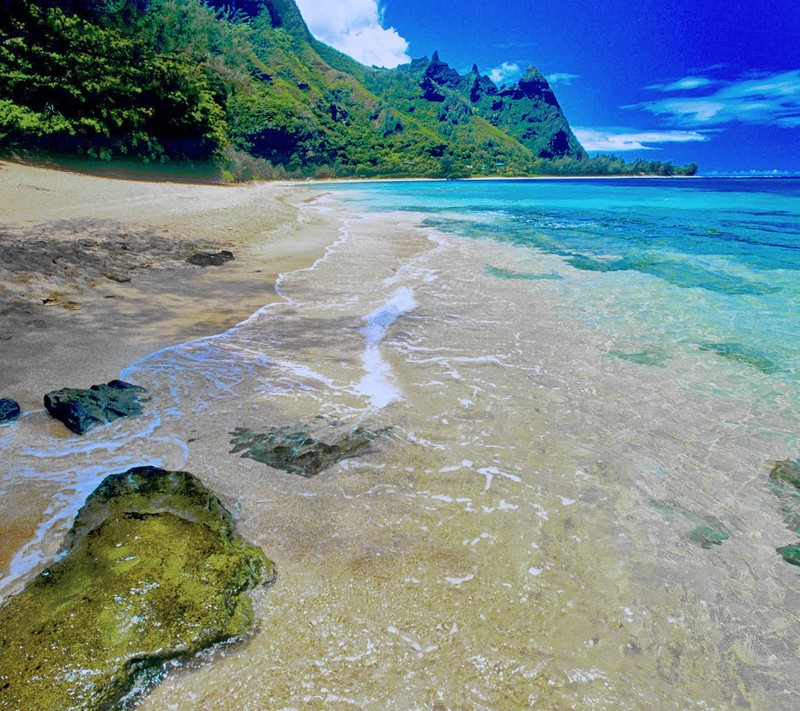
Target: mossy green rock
[154,571]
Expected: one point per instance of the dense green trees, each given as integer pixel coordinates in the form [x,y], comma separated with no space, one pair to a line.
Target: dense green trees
[252,90]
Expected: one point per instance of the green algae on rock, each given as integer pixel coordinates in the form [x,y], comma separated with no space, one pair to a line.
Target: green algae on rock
[153,570]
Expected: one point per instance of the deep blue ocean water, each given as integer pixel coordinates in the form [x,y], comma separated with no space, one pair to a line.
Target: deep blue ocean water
[710,265]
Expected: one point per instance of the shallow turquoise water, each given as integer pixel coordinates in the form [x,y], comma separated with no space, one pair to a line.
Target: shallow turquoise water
[706,265]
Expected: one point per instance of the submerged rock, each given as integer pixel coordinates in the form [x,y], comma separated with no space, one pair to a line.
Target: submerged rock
[708,532]
[210,259]
[707,537]
[787,471]
[80,410]
[9,410]
[304,450]
[153,570]
[784,482]
[791,554]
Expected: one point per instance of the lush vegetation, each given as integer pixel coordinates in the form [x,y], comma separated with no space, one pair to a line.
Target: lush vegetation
[251,90]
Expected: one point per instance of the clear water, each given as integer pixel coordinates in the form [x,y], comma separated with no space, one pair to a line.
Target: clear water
[586,385]
[714,263]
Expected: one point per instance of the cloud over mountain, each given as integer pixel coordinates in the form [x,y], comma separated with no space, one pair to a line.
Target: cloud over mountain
[355,27]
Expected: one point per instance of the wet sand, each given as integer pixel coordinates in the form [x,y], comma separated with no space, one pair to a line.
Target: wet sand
[93,277]
[93,274]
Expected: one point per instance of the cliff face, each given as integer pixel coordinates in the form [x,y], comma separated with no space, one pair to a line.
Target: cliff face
[196,78]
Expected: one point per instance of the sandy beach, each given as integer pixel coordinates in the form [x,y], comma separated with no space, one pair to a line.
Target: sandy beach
[93,277]
[543,524]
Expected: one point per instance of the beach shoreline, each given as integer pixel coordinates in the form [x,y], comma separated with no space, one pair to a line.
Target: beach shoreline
[94,278]
[82,322]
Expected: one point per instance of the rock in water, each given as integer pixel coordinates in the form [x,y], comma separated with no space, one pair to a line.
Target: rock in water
[210,259]
[791,554]
[784,481]
[80,410]
[153,570]
[786,471]
[304,450]
[9,410]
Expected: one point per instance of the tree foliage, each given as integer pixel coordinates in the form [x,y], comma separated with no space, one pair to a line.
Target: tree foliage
[242,82]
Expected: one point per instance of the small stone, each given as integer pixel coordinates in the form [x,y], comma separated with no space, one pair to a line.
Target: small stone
[81,410]
[707,537]
[791,554]
[9,410]
[210,259]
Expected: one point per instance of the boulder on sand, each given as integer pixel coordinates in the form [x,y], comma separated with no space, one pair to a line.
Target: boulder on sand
[80,410]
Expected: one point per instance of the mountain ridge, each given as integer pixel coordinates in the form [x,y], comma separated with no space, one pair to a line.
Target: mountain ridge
[243,82]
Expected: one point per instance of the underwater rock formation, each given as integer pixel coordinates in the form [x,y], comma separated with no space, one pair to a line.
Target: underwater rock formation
[304,450]
[784,481]
[152,570]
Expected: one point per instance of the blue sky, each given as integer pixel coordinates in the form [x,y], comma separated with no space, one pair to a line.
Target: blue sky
[713,81]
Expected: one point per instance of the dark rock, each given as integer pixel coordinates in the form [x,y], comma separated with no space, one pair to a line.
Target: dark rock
[210,259]
[441,73]
[80,410]
[431,90]
[9,410]
[707,537]
[784,483]
[303,450]
[481,86]
[153,571]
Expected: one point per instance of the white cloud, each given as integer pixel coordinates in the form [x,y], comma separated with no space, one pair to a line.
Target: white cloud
[685,84]
[355,27]
[505,73]
[759,99]
[617,140]
[562,78]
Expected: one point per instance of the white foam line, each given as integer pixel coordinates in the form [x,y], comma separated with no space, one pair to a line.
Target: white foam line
[377,382]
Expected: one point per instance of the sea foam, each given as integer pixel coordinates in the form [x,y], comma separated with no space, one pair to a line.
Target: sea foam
[377,383]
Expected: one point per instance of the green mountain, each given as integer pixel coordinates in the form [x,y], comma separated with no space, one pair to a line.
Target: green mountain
[243,82]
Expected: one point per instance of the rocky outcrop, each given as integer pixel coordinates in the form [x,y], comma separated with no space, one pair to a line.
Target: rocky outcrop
[305,450]
[81,410]
[9,410]
[153,570]
[442,73]
[210,259]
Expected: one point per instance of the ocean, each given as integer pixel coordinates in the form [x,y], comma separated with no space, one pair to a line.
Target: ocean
[584,385]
